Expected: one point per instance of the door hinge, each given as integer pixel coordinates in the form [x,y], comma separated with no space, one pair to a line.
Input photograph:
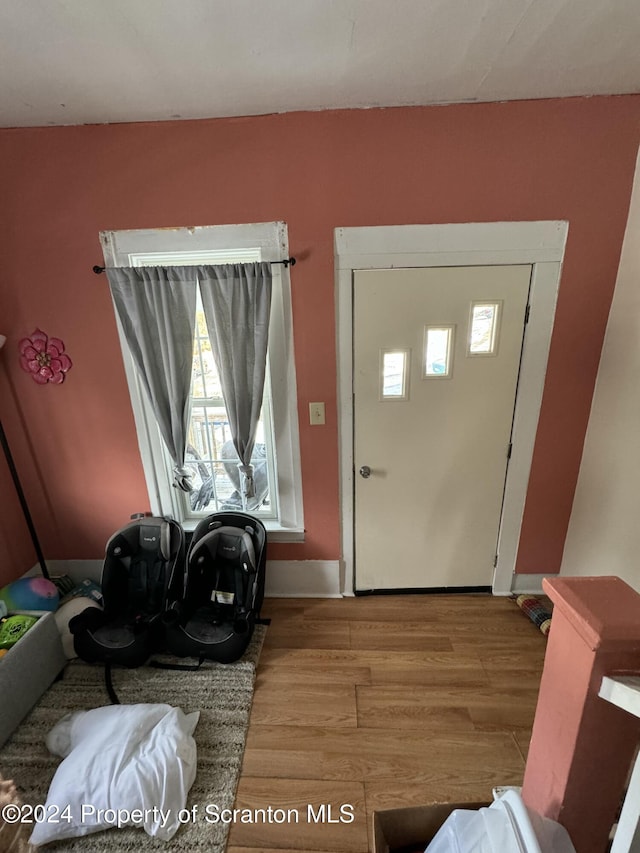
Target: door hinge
[526,314]
[495,561]
[509,449]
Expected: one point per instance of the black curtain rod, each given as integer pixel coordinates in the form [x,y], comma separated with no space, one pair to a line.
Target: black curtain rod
[286,263]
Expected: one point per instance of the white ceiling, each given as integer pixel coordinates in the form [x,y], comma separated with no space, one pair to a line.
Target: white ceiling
[95,61]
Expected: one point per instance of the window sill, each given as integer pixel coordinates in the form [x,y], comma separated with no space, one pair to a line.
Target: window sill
[283,534]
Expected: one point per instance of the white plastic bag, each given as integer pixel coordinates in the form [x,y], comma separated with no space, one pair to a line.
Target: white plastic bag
[506,826]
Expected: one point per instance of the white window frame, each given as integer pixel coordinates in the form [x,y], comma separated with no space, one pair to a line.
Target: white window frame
[271,237]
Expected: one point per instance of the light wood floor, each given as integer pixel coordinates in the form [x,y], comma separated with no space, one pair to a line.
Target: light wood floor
[379,702]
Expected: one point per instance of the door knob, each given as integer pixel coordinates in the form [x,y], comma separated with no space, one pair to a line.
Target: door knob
[365,472]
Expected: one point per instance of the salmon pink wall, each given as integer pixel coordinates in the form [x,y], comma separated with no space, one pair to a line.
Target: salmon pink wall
[562,159]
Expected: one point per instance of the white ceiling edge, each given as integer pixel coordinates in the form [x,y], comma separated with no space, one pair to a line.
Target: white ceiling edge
[74,62]
[137,118]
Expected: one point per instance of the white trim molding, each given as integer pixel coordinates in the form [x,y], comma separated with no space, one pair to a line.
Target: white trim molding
[526,584]
[540,244]
[303,579]
[284,578]
[77,570]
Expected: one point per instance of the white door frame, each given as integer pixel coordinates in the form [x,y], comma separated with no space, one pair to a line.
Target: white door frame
[540,244]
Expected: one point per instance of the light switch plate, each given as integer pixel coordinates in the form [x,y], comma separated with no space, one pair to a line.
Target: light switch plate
[316,414]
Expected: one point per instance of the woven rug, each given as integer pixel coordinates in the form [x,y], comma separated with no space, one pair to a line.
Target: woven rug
[222,693]
[536,611]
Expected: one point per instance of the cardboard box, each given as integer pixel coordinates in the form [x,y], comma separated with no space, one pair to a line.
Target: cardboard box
[416,825]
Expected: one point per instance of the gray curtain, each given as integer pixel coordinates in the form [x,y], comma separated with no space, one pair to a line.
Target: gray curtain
[237,302]
[157,307]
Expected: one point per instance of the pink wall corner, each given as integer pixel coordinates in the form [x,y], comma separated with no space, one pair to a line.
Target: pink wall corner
[567,159]
[576,734]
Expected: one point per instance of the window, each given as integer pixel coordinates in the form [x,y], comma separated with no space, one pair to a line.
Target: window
[394,374]
[483,328]
[210,453]
[437,351]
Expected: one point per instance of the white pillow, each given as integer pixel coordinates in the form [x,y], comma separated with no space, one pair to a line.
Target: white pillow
[125,765]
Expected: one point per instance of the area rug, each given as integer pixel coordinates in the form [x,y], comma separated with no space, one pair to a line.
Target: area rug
[222,693]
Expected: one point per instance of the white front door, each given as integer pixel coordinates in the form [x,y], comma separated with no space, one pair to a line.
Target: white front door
[436,362]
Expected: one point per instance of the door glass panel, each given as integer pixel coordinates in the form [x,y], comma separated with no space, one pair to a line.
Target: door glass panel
[394,374]
[483,328]
[437,351]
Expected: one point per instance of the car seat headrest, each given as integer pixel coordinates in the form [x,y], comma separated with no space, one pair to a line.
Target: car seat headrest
[155,537]
[230,544]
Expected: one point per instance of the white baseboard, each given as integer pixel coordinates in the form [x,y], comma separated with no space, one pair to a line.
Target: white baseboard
[284,578]
[530,584]
[78,570]
[303,579]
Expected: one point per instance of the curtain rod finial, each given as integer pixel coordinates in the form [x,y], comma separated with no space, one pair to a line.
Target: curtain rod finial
[97,270]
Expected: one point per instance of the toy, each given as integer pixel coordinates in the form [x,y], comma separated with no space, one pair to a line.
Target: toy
[65,614]
[30,594]
[85,589]
[14,628]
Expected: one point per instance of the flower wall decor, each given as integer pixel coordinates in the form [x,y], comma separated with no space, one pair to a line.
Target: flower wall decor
[44,358]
